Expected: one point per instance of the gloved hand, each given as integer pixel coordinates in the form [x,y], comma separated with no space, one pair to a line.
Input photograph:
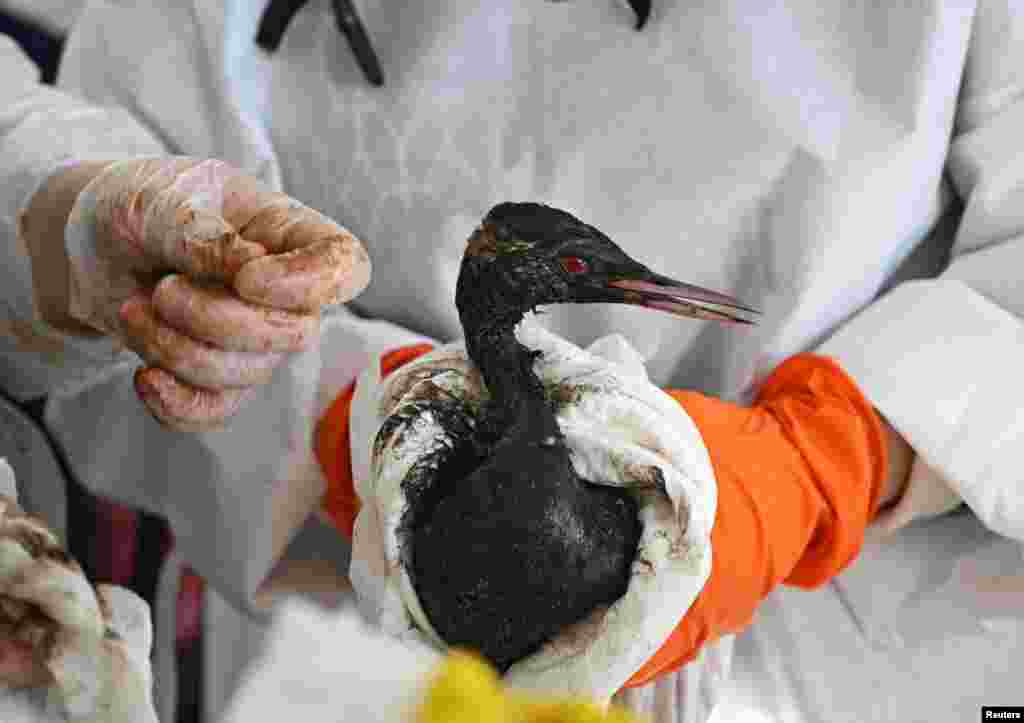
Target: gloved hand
[207,275]
[67,651]
[801,472]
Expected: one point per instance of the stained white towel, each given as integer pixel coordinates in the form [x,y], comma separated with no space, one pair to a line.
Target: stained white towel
[618,426]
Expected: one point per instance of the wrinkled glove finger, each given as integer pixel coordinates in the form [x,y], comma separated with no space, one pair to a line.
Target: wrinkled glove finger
[165,213]
[213,314]
[328,271]
[273,219]
[184,407]
[192,361]
[334,268]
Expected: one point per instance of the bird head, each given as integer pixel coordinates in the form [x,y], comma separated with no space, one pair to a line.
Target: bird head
[525,255]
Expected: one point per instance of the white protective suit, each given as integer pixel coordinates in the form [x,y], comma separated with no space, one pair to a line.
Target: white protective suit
[803,158]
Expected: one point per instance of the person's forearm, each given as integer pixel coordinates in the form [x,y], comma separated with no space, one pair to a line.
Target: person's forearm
[901,458]
[42,228]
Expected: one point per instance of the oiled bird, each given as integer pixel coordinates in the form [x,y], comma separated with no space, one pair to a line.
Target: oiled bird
[507,545]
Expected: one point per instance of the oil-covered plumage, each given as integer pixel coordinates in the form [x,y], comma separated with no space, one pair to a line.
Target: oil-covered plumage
[506,544]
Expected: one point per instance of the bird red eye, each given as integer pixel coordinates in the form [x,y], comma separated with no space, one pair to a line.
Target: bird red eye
[573,264]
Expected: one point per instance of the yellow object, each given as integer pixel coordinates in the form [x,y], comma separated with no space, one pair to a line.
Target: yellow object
[466,689]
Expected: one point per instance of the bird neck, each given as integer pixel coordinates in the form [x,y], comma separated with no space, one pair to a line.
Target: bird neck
[490,308]
[517,399]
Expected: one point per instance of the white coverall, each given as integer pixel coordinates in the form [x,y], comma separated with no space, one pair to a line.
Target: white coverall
[803,158]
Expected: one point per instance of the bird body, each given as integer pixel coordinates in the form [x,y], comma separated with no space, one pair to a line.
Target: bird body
[506,544]
[621,431]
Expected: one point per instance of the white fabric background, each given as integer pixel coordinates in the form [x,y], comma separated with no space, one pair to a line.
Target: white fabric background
[793,155]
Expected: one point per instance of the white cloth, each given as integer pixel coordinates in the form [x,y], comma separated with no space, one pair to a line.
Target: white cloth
[778,151]
[619,428]
[323,667]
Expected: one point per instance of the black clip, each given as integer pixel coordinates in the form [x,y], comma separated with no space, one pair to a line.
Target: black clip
[279,14]
[642,8]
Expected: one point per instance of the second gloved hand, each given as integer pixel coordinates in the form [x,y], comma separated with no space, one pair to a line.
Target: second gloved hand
[206,274]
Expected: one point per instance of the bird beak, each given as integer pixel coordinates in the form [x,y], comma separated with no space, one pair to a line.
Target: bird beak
[655,291]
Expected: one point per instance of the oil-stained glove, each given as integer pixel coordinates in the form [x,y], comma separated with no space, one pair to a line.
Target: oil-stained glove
[68,651]
[206,274]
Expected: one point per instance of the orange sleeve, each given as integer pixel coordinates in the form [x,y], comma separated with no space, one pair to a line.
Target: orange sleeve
[800,475]
[332,445]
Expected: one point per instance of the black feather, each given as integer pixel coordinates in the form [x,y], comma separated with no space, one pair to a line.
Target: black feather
[507,545]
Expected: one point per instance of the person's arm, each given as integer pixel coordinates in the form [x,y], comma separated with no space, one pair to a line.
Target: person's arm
[941,359]
[42,230]
[252,485]
[800,474]
[255,481]
[41,131]
[901,459]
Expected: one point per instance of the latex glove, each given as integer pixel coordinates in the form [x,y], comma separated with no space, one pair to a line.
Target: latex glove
[67,651]
[800,474]
[206,274]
